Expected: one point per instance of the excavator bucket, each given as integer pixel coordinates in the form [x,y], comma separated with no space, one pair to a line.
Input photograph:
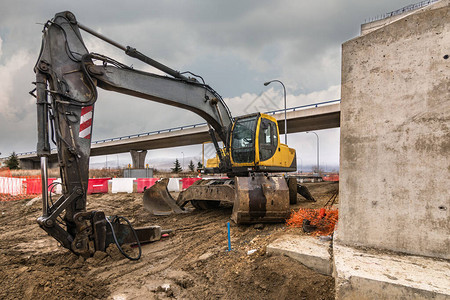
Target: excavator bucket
[303,190]
[261,199]
[158,201]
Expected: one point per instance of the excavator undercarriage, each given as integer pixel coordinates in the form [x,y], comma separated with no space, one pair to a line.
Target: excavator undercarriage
[258,198]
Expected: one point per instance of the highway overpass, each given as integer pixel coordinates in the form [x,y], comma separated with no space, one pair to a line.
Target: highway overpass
[317,116]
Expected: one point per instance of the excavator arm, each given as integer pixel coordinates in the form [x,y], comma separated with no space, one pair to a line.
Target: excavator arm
[67,72]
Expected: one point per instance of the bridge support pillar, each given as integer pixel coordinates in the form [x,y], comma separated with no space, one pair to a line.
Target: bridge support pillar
[394,160]
[28,164]
[138,158]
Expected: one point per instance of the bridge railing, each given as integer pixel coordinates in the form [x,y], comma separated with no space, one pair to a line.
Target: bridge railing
[272,112]
[148,133]
[125,137]
[407,8]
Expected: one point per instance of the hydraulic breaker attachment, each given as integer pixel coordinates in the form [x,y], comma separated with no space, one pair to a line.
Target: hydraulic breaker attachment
[158,201]
[95,232]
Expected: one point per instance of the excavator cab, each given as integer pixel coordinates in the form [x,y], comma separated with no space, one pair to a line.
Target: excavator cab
[255,146]
[254,150]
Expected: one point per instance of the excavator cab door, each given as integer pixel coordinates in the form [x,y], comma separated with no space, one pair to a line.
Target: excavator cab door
[267,139]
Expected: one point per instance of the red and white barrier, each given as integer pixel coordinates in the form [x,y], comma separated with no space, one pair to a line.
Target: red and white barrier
[34,185]
[332,177]
[187,182]
[145,183]
[98,186]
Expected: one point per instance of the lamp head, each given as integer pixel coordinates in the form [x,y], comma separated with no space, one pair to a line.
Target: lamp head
[267,83]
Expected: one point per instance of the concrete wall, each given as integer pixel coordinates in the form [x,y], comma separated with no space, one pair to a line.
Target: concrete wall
[395,140]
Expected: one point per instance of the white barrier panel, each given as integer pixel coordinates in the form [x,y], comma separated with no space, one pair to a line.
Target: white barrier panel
[122,185]
[12,186]
[57,189]
[174,185]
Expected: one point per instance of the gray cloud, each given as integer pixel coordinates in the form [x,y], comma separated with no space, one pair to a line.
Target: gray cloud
[234,45]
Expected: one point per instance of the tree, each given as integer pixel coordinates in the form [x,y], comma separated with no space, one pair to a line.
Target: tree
[176,167]
[191,166]
[12,162]
[199,166]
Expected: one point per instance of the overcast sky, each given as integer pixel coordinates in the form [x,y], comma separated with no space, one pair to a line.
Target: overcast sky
[235,45]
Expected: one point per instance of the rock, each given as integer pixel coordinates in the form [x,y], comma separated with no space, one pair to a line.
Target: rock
[205,256]
[259,226]
[114,252]
[100,255]
[32,201]
[250,252]
[90,261]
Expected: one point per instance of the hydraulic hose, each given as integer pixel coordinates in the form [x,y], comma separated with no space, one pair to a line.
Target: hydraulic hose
[117,243]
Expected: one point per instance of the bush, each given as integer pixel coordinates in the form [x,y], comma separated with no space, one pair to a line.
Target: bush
[12,162]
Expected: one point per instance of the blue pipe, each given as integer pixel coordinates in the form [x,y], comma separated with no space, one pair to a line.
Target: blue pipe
[229,238]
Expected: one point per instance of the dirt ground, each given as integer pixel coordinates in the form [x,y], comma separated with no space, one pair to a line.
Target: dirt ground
[192,263]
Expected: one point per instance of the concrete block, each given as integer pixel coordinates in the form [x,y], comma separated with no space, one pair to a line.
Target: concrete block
[58,187]
[173,185]
[122,185]
[309,251]
[370,274]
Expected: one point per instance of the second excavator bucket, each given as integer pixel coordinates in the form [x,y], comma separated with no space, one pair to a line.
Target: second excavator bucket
[260,199]
[158,201]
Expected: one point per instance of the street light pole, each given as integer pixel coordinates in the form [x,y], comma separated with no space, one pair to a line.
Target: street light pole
[285,119]
[182,166]
[317,149]
[301,165]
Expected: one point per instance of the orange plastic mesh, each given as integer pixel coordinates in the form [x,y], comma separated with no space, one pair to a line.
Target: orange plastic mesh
[9,197]
[5,172]
[324,219]
[12,191]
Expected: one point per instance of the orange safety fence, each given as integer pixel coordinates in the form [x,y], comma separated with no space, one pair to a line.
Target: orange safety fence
[19,187]
[331,177]
[324,219]
[5,172]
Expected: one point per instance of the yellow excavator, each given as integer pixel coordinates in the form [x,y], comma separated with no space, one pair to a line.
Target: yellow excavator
[251,152]
[67,77]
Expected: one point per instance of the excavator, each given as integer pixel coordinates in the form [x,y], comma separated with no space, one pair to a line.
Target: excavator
[67,77]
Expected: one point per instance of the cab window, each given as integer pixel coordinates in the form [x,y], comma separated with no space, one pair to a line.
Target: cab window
[268,139]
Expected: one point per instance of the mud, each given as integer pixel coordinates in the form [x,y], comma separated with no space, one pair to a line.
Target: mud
[192,263]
